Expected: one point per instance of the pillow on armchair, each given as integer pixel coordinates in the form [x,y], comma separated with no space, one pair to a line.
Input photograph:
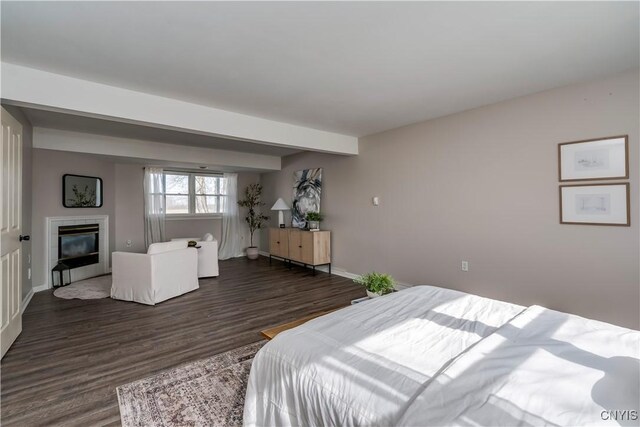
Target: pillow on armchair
[158,248]
[208,237]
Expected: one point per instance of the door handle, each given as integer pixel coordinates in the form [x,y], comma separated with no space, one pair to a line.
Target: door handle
[300,246]
[26,237]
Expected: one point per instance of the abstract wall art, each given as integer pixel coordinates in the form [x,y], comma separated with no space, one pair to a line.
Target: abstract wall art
[307,187]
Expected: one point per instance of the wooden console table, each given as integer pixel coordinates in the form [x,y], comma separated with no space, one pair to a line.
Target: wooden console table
[311,248]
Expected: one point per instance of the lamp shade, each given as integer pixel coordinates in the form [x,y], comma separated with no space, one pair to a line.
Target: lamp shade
[280,205]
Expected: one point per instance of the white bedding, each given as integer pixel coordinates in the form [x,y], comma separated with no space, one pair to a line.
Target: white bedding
[542,368]
[362,365]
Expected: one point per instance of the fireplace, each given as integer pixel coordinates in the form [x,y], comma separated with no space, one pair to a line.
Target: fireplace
[79,245]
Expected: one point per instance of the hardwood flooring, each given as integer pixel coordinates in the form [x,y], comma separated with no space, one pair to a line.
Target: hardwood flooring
[64,367]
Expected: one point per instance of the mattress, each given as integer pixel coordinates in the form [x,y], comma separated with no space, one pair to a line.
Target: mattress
[542,368]
[365,364]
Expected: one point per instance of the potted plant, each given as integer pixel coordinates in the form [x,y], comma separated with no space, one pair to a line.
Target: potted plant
[376,284]
[255,219]
[313,220]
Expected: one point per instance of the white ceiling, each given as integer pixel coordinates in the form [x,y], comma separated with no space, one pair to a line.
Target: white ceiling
[71,122]
[352,67]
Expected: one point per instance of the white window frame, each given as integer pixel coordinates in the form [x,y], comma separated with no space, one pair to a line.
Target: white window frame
[192,195]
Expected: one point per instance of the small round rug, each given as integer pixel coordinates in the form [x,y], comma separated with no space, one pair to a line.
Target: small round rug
[93,288]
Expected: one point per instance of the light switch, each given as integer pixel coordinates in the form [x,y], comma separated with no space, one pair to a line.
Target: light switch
[465,266]
[376,201]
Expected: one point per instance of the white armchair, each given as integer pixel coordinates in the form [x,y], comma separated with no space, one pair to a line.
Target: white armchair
[166,271]
[207,254]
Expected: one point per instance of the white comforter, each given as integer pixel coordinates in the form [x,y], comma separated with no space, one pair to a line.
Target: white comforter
[364,364]
[542,368]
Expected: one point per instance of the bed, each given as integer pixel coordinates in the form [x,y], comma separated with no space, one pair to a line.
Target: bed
[542,368]
[431,356]
[363,364]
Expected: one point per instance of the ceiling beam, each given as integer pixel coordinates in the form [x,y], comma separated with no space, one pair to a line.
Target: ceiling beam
[150,152]
[28,87]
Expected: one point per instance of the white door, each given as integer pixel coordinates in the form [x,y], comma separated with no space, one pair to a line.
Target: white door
[10,228]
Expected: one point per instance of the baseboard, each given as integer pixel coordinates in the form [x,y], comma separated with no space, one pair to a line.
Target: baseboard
[40,288]
[343,273]
[26,300]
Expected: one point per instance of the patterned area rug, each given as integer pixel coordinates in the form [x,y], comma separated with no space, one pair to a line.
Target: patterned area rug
[93,288]
[208,392]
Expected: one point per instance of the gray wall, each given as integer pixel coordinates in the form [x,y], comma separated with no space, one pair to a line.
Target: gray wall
[27,144]
[482,186]
[48,168]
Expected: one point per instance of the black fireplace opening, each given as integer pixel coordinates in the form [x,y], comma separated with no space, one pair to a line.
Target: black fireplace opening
[78,245]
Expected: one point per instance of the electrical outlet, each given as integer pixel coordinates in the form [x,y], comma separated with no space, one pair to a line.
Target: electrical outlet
[129,243]
[464,266]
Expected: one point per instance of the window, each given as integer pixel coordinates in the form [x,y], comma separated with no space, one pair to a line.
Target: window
[194,194]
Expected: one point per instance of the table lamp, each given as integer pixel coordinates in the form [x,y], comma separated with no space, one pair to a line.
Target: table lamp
[280,206]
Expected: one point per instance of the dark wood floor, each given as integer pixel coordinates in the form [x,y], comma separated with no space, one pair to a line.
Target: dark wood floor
[65,366]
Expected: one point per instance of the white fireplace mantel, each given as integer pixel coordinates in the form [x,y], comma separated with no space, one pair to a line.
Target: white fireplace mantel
[51,234]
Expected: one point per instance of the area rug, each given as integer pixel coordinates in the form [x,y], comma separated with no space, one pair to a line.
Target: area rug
[93,288]
[208,392]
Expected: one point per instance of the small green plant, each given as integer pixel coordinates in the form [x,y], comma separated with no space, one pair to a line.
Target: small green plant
[314,216]
[376,283]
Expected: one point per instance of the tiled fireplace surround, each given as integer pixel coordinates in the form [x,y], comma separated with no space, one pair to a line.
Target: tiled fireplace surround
[102,267]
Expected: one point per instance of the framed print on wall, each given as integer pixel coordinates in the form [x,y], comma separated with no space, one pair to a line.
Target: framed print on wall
[80,191]
[595,204]
[602,158]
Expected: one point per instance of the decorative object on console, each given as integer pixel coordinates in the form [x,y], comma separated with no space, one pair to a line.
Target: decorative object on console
[80,191]
[255,219]
[594,159]
[376,284]
[280,206]
[595,204]
[307,188]
[313,220]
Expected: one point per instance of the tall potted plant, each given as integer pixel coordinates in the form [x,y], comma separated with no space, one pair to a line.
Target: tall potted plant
[255,219]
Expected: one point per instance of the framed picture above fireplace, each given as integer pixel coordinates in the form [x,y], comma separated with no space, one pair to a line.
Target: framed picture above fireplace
[80,191]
